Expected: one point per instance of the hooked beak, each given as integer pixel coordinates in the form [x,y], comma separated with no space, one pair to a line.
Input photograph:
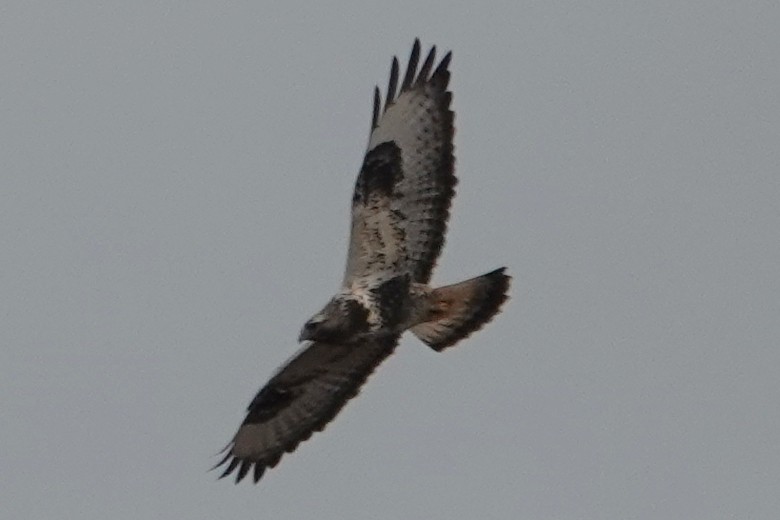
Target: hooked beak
[306,333]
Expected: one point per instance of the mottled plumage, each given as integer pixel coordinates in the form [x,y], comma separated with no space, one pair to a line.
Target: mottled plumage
[400,208]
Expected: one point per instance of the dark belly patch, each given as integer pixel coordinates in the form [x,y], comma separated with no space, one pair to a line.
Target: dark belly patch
[392,297]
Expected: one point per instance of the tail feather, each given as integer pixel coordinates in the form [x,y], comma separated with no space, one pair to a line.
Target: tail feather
[463,308]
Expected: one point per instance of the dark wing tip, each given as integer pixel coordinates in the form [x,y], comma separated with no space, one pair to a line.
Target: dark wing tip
[411,69]
[441,69]
[224,460]
[425,71]
[243,469]
[230,467]
[243,466]
[392,85]
[411,77]
[259,470]
[377,107]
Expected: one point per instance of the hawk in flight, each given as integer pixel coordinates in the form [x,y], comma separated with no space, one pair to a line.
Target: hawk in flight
[400,209]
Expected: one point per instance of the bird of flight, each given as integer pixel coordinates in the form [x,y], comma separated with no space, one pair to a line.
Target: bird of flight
[400,209]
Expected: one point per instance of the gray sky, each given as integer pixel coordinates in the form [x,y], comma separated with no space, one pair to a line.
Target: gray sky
[174,191]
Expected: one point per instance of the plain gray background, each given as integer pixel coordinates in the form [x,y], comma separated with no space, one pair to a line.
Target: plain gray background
[175,184]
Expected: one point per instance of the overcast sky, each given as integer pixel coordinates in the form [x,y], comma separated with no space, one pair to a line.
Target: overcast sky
[174,190]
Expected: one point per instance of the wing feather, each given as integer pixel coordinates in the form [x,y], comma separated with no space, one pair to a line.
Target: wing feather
[377,107]
[427,65]
[392,84]
[411,69]
[405,187]
[302,398]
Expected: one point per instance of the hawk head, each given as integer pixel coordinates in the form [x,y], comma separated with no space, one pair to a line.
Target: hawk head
[339,321]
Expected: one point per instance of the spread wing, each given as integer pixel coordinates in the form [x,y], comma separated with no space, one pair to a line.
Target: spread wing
[402,196]
[302,398]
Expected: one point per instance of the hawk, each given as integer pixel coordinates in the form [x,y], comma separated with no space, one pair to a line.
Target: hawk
[400,208]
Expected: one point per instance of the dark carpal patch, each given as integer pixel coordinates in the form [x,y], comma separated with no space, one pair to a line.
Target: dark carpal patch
[380,173]
[392,298]
[267,403]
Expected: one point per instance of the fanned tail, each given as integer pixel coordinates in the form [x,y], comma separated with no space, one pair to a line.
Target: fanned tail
[463,308]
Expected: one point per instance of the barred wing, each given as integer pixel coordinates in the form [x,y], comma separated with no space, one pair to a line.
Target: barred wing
[403,193]
[302,398]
